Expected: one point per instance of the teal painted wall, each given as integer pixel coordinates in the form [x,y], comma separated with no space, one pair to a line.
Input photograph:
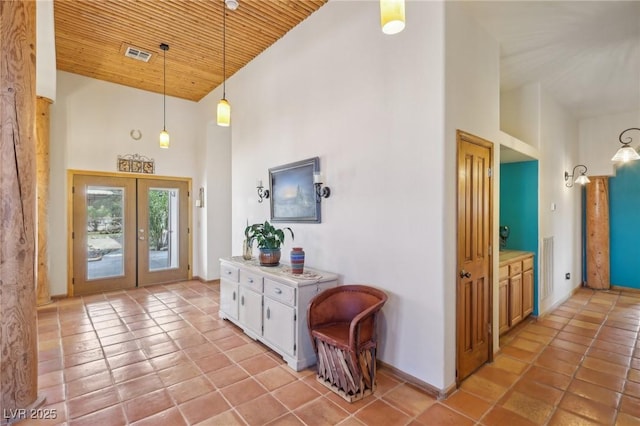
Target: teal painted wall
[624,217]
[519,210]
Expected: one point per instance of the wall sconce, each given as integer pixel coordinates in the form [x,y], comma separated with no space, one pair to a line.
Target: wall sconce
[626,153]
[262,192]
[321,192]
[582,179]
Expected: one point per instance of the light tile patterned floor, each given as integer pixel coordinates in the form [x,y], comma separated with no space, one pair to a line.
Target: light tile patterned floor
[160,356]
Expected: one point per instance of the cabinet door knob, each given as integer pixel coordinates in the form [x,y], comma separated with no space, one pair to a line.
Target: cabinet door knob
[234,295]
[278,291]
[465,274]
[250,280]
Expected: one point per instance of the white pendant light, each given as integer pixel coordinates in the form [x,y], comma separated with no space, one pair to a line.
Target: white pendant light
[392,16]
[224,108]
[164,135]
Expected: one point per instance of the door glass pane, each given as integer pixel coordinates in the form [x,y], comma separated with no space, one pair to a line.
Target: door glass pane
[163,228]
[105,227]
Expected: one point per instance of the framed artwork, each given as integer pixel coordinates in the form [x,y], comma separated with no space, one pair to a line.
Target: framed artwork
[293,194]
[136,163]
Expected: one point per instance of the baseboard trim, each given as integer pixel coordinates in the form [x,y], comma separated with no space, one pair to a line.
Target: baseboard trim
[423,386]
[202,280]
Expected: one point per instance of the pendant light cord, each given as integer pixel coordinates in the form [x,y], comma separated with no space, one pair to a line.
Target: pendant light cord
[164,92]
[224,51]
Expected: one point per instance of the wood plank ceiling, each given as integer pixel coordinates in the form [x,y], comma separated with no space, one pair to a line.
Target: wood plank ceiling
[92,36]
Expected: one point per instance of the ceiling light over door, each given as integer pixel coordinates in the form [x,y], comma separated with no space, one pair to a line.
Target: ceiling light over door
[164,135]
[392,16]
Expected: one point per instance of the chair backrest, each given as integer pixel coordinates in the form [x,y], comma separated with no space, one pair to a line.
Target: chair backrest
[343,303]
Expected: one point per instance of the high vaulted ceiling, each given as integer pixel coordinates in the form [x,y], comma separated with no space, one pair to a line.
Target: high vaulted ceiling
[585,53]
[92,36]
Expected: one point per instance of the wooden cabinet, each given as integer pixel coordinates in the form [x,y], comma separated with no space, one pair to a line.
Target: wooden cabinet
[270,305]
[515,288]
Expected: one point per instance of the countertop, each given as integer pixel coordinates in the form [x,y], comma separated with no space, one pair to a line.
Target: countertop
[509,255]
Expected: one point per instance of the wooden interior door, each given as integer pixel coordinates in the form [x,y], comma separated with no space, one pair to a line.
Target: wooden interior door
[473,295]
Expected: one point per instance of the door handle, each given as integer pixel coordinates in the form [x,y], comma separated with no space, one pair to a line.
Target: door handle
[465,274]
[141,238]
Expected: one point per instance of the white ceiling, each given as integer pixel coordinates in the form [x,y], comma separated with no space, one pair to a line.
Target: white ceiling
[585,53]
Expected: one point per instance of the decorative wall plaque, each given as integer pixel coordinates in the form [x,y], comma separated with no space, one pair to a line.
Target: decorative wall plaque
[136,163]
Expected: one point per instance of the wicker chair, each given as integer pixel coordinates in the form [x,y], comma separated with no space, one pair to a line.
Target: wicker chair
[342,324]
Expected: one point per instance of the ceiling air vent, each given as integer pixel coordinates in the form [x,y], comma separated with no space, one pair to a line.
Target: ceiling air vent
[138,54]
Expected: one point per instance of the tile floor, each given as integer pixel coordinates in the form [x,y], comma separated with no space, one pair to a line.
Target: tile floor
[161,356]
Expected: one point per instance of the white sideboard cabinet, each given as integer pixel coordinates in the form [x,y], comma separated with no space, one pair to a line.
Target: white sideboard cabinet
[270,305]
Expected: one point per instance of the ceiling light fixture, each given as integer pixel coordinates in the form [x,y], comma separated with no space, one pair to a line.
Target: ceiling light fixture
[231,4]
[626,153]
[392,16]
[224,108]
[164,135]
[582,179]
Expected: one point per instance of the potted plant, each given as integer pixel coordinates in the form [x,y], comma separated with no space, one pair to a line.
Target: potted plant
[269,240]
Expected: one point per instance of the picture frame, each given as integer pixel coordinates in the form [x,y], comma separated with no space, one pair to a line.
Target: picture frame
[293,194]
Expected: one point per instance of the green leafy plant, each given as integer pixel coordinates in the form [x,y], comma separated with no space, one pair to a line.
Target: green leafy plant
[267,236]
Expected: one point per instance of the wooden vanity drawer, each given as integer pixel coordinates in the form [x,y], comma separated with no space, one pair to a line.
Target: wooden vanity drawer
[228,272]
[515,268]
[504,272]
[281,292]
[527,263]
[251,280]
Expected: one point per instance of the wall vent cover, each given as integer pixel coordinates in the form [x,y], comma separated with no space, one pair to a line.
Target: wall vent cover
[135,53]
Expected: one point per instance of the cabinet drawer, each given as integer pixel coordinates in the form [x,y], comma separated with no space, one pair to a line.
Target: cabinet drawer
[229,272]
[504,272]
[527,263]
[251,280]
[281,292]
[515,268]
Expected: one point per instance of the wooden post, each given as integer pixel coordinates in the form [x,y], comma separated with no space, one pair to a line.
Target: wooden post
[18,332]
[42,191]
[597,217]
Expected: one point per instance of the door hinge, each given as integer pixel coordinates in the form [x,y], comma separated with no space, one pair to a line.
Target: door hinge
[490,331]
[490,251]
[188,230]
[295,317]
[73,280]
[489,172]
[73,189]
[294,347]
[188,267]
[73,235]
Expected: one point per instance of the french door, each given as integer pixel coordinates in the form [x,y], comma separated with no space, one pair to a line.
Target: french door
[128,232]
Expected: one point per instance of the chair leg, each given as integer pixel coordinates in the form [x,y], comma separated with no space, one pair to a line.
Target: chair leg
[351,378]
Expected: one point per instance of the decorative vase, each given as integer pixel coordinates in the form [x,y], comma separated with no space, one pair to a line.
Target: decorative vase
[269,257]
[247,251]
[297,260]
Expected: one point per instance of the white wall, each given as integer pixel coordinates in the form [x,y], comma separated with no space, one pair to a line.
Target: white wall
[45,50]
[370,106]
[90,125]
[559,152]
[472,105]
[520,113]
